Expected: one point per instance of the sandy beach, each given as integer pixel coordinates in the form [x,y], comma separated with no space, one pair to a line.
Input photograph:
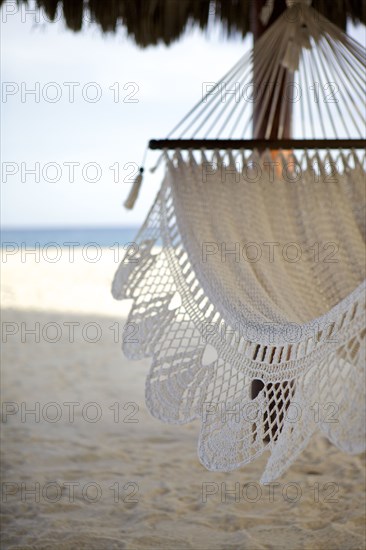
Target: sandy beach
[84,465]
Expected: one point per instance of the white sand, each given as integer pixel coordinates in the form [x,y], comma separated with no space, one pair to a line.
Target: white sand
[159,460]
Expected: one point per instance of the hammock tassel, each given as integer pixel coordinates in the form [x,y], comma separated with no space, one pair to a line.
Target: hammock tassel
[292,56]
[135,189]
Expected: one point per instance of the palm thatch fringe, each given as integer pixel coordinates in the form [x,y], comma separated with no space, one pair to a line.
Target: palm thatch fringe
[150,22]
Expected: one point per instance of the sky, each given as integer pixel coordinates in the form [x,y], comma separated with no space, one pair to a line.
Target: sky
[70,149]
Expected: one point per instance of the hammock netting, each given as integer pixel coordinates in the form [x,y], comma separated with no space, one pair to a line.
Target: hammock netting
[248,278]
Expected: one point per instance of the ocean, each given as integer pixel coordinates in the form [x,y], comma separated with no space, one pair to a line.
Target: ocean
[79,236]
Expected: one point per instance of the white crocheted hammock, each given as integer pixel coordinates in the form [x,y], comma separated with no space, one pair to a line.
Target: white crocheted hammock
[252,306]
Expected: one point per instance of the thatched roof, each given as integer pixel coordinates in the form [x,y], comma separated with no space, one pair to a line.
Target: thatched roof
[150,22]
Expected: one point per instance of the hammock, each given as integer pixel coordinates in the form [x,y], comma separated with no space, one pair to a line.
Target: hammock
[252,306]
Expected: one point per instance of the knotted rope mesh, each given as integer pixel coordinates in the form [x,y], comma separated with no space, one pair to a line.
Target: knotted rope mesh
[252,306]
